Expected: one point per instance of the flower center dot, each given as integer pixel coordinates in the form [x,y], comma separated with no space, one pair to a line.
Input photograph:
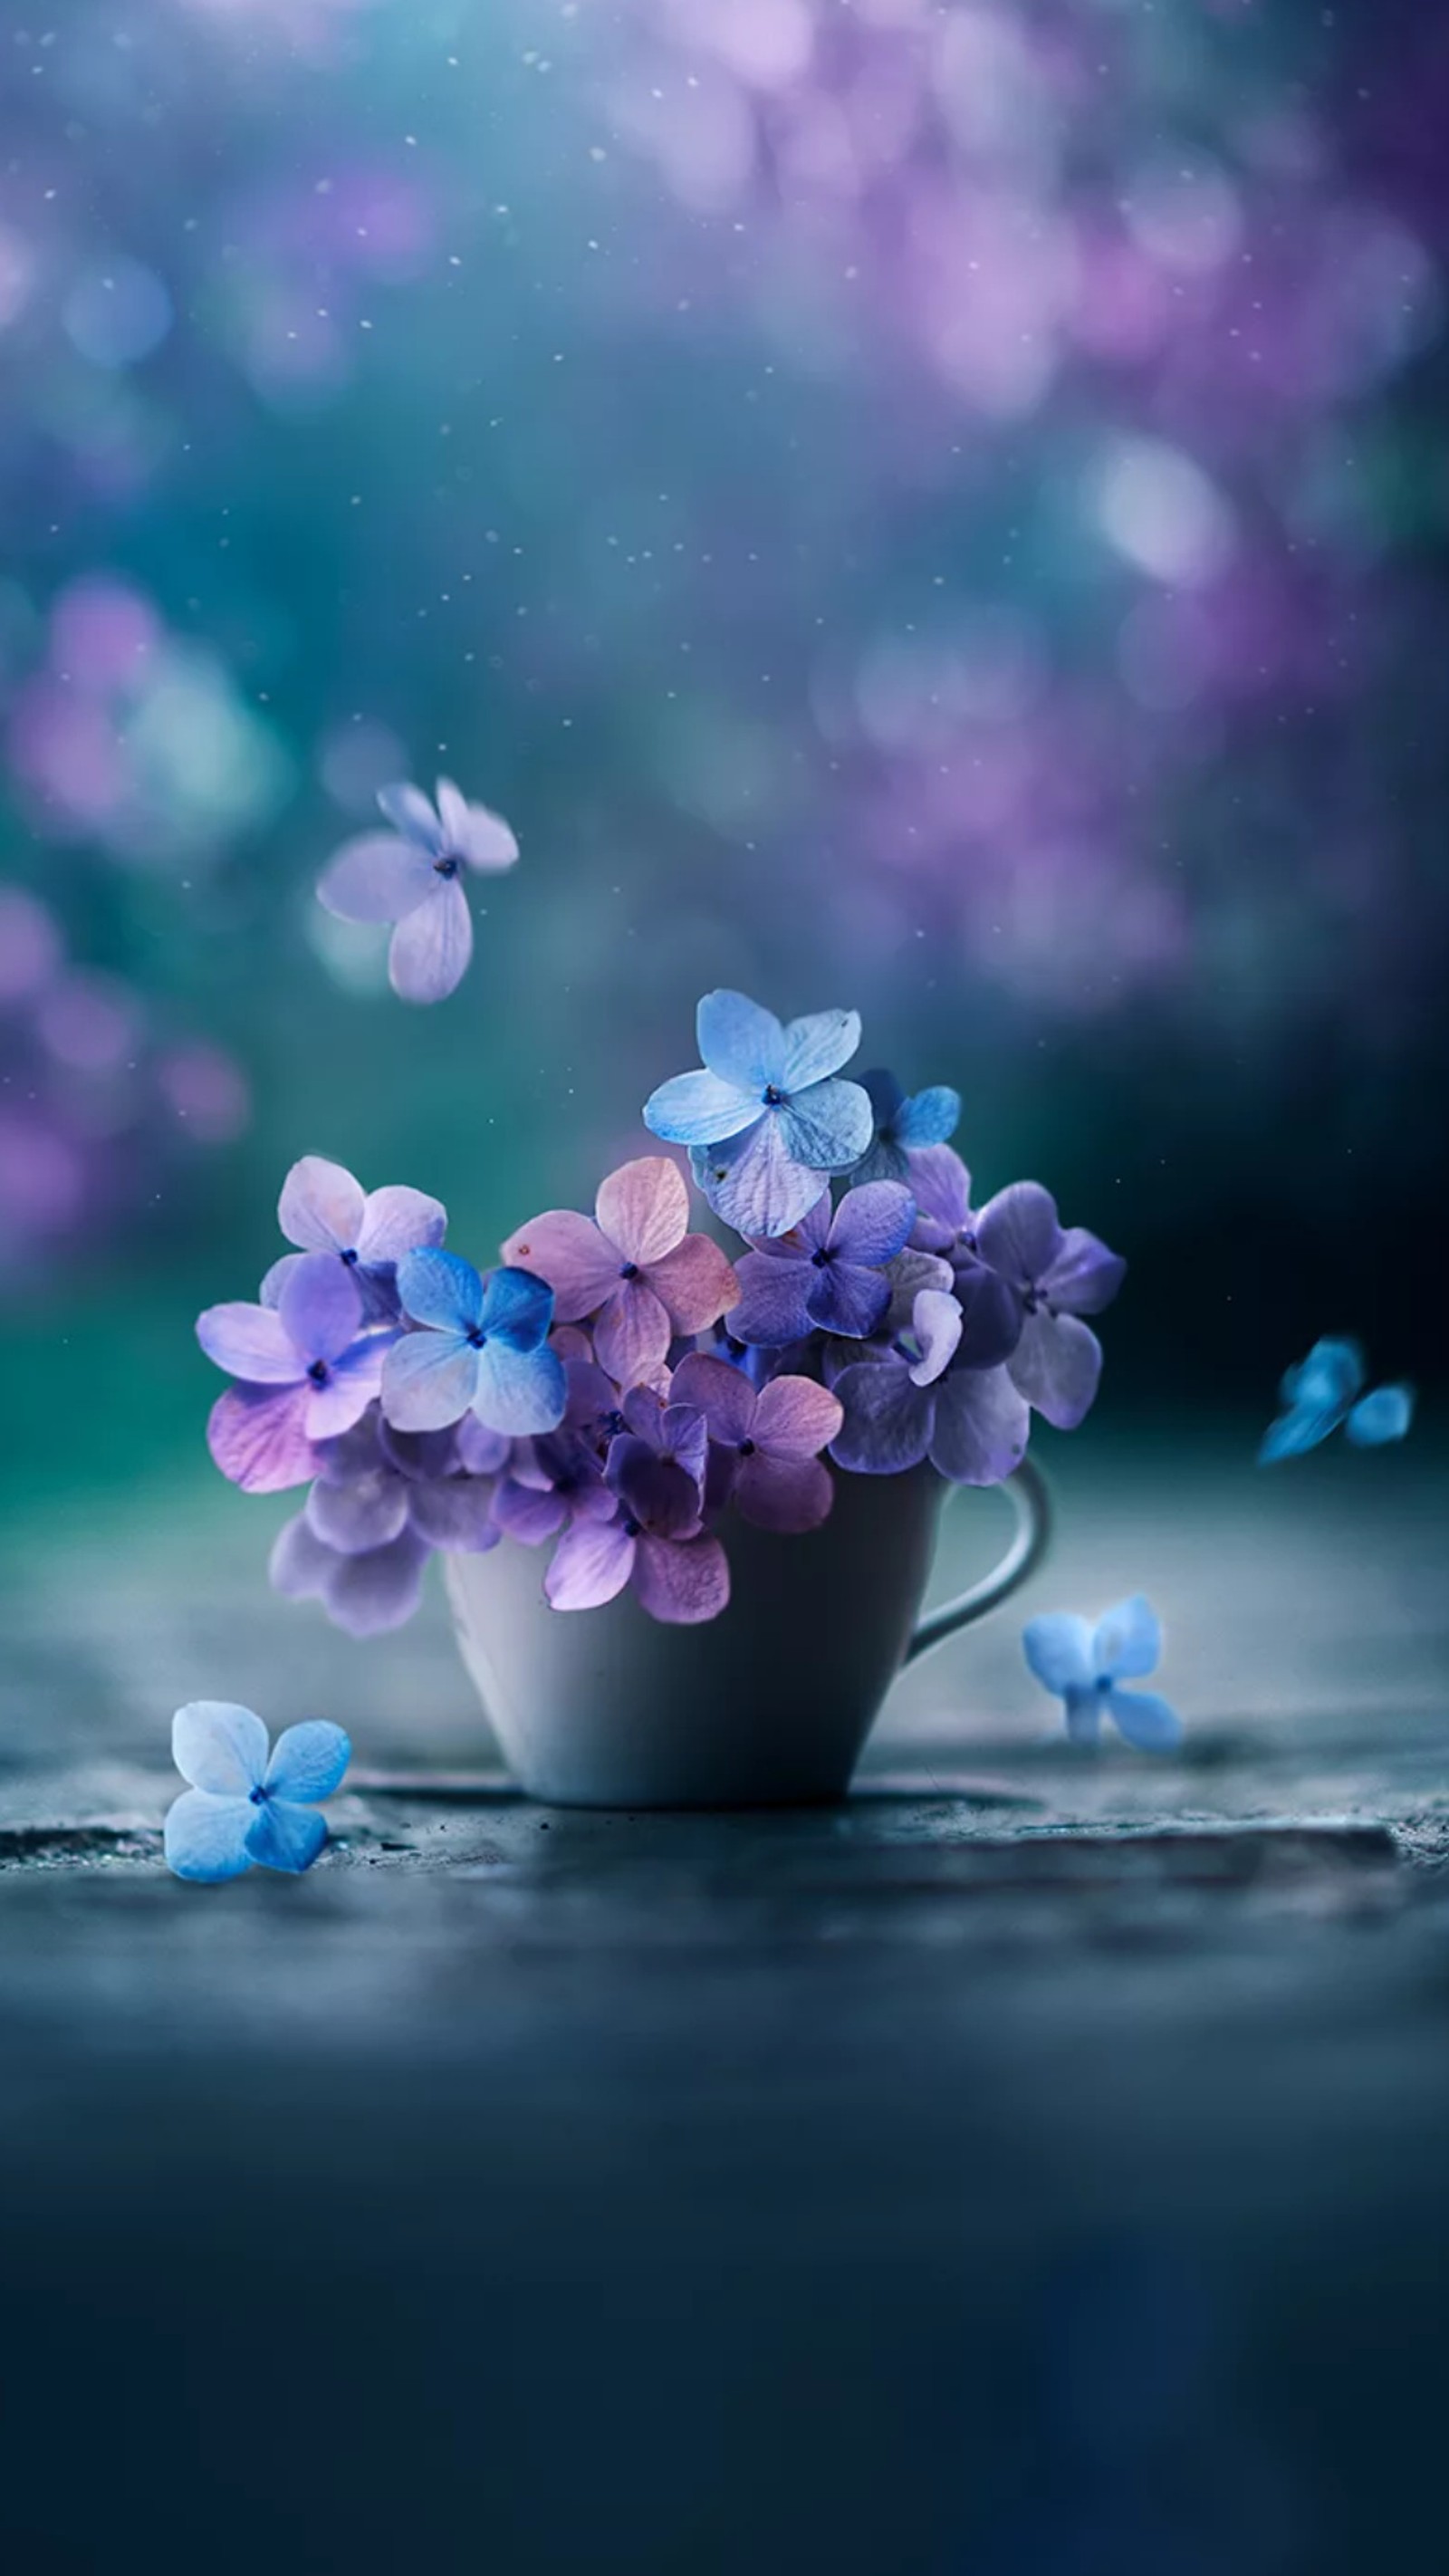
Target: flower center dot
[445,867]
[350,1257]
[631,1529]
[747,1448]
[318,1372]
[773,1097]
[476,1338]
[1103,1682]
[629,1270]
[821,1260]
[258,1797]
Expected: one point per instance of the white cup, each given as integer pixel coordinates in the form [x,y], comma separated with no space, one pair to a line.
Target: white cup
[767,1705]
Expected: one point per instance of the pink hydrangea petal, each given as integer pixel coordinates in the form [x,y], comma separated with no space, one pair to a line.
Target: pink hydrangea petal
[632,1334]
[258,1438]
[643,1208]
[785,1494]
[398,1220]
[569,1252]
[696,1281]
[682,1582]
[722,1394]
[591,1563]
[431,945]
[795,1418]
[249,1342]
[321,1207]
[376,878]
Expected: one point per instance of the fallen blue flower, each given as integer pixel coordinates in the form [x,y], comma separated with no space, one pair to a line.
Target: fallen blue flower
[249,1803]
[1321,1392]
[1085,1667]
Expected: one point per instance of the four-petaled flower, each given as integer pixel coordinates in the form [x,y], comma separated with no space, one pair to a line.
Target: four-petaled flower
[246,1803]
[323,1209]
[764,1444]
[1057,1275]
[1086,1666]
[910,1402]
[413,876]
[308,1371]
[905,1124]
[765,1114]
[634,1267]
[483,1348]
[827,1271]
[1321,1392]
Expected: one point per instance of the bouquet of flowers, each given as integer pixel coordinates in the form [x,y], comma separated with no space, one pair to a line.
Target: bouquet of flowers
[620,1385]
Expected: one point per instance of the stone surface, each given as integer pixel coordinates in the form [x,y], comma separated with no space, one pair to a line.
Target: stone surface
[1039,2162]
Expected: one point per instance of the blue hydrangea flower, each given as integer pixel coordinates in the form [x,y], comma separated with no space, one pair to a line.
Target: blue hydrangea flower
[1321,1392]
[1086,1666]
[765,1117]
[249,1803]
[482,1348]
[905,1123]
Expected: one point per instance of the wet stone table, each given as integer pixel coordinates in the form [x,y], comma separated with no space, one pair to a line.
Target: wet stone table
[1039,2162]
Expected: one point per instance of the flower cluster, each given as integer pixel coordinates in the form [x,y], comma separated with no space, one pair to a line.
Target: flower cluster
[618,1386]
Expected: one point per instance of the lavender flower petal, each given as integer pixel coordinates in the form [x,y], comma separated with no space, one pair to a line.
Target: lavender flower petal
[774,1304]
[569,1252]
[887,1421]
[456,1513]
[321,1208]
[681,1582]
[871,1223]
[699,1109]
[743,1043]
[376,878]
[643,1209]
[827,1127]
[519,1391]
[249,1342]
[722,1394]
[591,1564]
[369,1594]
[362,1514]
[301,1565]
[409,812]
[1018,1234]
[220,1746]
[632,1334]
[258,1438]
[790,1495]
[428,1381]
[794,1418]
[431,946]
[1085,1276]
[936,1323]
[695,1282]
[843,1299]
[752,1181]
[981,1427]
[398,1220]
[1057,1365]
[319,1308]
[816,1047]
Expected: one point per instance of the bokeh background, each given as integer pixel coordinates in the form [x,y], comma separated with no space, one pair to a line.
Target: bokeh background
[942,508]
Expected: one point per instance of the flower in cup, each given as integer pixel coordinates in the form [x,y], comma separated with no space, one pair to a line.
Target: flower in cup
[1057,1276]
[375,1481]
[308,1372]
[634,1267]
[1321,1392]
[655,1541]
[249,1802]
[551,1483]
[413,876]
[764,1443]
[904,1125]
[936,1394]
[481,1347]
[1086,1666]
[765,1116]
[827,1273]
[323,1209]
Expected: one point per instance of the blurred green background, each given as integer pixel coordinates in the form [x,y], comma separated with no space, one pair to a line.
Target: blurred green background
[941,509]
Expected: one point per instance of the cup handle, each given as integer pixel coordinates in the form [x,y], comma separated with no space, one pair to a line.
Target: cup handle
[1031,1498]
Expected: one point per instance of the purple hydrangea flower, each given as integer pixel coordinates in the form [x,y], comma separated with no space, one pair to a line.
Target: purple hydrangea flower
[375,1481]
[323,1209]
[367,1591]
[911,1402]
[634,1267]
[1085,1666]
[656,1463]
[904,1125]
[249,1803]
[413,876]
[482,1348]
[765,1116]
[1057,1275]
[551,1483]
[827,1272]
[764,1444]
[308,1372]
[1321,1392]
